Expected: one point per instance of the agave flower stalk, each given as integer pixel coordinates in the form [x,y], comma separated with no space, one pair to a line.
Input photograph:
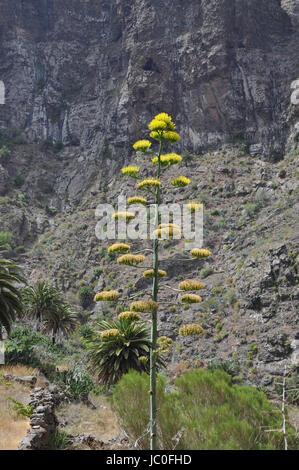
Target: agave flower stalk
[154,329]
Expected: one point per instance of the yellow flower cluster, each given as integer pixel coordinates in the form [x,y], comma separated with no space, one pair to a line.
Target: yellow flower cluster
[123,215]
[180,181]
[164,117]
[192,329]
[157,125]
[167,159]
[191,299]
[119,248]
[143,306]
[165,344]
[190,284]
[108,295]
[163,128]
[142,359]
[142,145]
[171,136]
[200,253]
[150,273]
[131,316]
[113,333]
[148,183]
[168,136]
[131,260]
[194,206]
[166,232]
[130,171]
[137,200]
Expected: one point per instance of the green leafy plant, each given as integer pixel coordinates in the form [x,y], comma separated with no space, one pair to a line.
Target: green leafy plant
[5,240]
[113,355]
[75,383]
[11,304]
[44,302]
[60,440]
[31,348]
[86,295]
[22,410]
[203,412]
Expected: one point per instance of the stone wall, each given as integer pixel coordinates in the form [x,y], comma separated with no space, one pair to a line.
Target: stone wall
[43,422]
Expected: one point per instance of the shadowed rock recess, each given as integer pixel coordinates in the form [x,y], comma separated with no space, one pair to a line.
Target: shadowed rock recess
[82,80]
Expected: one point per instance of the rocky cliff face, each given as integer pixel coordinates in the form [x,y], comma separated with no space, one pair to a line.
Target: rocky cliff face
[90,72]
[83,78]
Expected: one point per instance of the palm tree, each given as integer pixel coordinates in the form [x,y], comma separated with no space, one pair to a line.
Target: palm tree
[121,345]
[42,301]
[11,304]
[45,303]
[64,321]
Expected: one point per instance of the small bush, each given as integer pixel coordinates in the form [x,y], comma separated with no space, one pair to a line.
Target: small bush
[5,153]
[86,295]
[60,440]
[5,240]
[231,297]
[75,383]
[252,208]
[205,272]
[231,367]
[21,410]
[27,347]
[18,179]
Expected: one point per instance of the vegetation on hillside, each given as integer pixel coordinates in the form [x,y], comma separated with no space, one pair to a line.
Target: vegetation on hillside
[202,410]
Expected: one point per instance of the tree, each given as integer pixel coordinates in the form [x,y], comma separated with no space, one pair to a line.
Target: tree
[45,304]
[64,321]
[42,301]
[162,130]
[121,346]
[11,304]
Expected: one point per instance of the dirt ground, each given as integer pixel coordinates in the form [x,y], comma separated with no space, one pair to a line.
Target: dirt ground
[13,427]
[78,418]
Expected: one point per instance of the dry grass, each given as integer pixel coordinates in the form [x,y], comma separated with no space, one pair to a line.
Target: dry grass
[22,371]
[19,370]
[12,427]
[80,419]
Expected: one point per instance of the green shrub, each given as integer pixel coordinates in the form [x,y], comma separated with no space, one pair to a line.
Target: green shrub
[6,240]
[4,152]
[75,383]
[59,441]
[205,272]
[18,179]
[204,412]
[27,347]
[86,295]
[252,208]
[231,367]
[231,297]
[21,410]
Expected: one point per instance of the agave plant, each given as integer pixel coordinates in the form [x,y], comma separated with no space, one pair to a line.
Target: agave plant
[120,346]
[11,304]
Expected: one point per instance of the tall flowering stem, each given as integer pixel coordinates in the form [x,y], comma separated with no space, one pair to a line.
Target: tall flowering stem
[154,330]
